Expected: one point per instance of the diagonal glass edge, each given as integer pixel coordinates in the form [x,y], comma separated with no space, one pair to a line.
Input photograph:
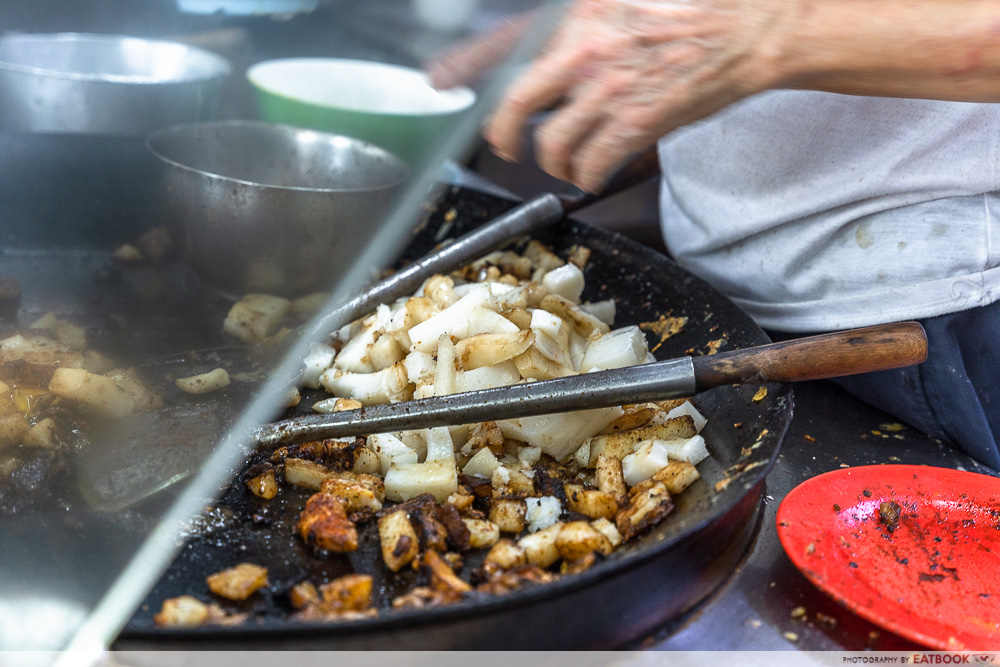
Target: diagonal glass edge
[91,639]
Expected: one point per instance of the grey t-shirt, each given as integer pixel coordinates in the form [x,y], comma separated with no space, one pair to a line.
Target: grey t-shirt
[816,211]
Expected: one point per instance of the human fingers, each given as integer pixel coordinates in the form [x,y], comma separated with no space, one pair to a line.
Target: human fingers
[559,137]
[540,88]
[604,151]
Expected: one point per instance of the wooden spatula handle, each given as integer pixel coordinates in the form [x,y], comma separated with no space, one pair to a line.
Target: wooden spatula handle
[828,355]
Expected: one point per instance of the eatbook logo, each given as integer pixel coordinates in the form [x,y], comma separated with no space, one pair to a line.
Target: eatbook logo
[953,659]
[924,659]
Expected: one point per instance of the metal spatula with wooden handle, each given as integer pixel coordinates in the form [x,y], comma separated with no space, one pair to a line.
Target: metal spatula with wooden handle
[815,357]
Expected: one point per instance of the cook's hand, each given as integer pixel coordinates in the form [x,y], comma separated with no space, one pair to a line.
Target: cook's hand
[626,72]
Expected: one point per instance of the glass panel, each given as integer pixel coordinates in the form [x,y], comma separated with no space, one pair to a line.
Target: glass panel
[121,262]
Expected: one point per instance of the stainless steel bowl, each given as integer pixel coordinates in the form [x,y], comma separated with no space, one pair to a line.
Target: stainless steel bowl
[272,208]
[105,84]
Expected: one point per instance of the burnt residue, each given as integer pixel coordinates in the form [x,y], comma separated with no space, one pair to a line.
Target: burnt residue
[888,514]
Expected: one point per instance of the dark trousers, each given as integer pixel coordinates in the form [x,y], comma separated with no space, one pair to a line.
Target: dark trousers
[955,394]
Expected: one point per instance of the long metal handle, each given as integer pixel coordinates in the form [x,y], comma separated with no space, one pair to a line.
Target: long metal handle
[530,216]
[602,389]
[823,356]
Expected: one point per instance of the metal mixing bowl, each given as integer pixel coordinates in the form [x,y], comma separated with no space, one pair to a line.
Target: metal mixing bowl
[272,208]
[105,84]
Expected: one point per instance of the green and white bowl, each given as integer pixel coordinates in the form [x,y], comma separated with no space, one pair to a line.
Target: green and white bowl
[390,106]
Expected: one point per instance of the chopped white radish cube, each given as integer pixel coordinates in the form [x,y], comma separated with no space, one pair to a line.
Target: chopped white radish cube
[617,349]
[439,444]
[388,385]
[554,349]
[43,434]
[326,406]
[353,357]
[319,359]
[408,480]
[687,408]
[205,382]
[344,333]
[500,476]
[602,310]
[445,373]
[419,365]
[541,257]
[609,530]
[649,458]
[397,317]
[436,475]
[255,317]
[488,377]
[440,290]
[577,348]
[482,464]
[452,321]
[418,309]
[546,322]
[513,297]
[390,449]
[486,321]
[415,441]
[566,281]
[582,322]
[692,450]
[388,349]
[559,435]
[96,391]
[487,349]
[542,512]
[529,456]
[464,288]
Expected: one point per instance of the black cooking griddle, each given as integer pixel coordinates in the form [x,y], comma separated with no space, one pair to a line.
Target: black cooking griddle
[639,588]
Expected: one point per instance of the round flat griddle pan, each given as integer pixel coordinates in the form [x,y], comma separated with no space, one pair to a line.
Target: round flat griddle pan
[634,591]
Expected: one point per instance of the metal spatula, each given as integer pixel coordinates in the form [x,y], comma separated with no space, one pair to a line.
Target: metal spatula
[811,358]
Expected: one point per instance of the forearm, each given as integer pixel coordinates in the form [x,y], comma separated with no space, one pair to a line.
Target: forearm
[623,73]
[936,49]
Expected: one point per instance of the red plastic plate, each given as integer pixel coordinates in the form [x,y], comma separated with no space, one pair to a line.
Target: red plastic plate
[932,576]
